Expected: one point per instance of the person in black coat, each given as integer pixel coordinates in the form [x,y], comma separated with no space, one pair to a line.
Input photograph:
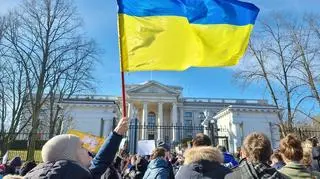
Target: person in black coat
[65,158]
[202,163]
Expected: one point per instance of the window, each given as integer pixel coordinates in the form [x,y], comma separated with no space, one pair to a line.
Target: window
[151,125]
[151,137]
[151,119]
[187,122]
[188,114]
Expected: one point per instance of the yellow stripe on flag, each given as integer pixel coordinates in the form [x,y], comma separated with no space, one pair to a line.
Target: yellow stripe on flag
[171,43]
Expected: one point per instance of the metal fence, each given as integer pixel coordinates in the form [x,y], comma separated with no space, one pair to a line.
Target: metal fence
[172,135]
[305,133]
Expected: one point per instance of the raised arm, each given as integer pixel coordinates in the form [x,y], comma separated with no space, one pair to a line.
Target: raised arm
[108,150]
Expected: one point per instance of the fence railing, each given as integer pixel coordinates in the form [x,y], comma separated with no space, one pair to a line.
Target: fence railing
[305,133]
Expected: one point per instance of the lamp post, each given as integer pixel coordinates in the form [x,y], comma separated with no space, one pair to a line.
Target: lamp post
[135,113]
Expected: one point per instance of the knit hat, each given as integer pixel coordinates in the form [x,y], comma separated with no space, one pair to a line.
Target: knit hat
[61,147]
[15,162]
[164,145]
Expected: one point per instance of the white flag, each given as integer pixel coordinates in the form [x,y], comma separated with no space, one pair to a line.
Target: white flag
[5,158]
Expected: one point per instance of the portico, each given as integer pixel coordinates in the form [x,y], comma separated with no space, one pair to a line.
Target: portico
[156,105]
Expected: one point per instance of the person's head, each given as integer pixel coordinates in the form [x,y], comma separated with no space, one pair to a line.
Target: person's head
[164,145]
[15,165]
[15,162]
[159,152]
[307,152]
[201,140]
[256,148]
[133,159]
[222,148]
[196,154]
[276,157]
[65,147]
[291,149]
[314,141]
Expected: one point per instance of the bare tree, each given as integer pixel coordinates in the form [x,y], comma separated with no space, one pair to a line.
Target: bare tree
[13,95]
[77,79]
[275,60]
[47,40]
[306,38]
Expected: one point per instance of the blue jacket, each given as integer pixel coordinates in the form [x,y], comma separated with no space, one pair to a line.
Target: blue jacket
[229,160]
[157,169]
[65,169]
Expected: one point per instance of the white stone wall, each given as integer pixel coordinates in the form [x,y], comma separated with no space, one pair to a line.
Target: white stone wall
[224,123]
[88,119]
[237,125]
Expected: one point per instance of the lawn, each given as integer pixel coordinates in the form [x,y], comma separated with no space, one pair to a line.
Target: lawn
[23,155]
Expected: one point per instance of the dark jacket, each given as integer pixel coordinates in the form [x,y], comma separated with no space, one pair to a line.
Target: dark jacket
[157,169]
[247,170]
[171,172]
[203,169]
[64,169]
[111,173]
[316,158]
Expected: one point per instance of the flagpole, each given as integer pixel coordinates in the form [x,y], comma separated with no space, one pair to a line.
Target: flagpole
[123,86]
[124,106]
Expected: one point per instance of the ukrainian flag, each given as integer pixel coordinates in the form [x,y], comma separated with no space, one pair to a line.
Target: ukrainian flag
[178,34]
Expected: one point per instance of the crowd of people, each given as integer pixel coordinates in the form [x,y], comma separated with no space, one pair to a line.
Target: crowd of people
[65,158]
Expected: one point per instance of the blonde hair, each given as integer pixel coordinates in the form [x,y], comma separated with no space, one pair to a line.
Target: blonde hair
[202,153]
[257,147]
[307,152]
[158,152]
[290,148]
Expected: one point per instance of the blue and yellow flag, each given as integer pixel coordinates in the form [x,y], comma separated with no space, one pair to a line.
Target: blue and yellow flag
[178,34]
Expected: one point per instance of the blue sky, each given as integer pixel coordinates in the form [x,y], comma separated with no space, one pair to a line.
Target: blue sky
[100,24]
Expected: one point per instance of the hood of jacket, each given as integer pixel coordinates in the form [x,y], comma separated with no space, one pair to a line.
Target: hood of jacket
[260,170]
[158,163]
[62,169]
[198,154]
[202,169]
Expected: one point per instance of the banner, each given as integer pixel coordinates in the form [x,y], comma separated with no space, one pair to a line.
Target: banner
[145,147]
[90,142]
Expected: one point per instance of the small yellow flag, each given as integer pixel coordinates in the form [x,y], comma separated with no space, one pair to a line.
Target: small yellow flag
[91,142]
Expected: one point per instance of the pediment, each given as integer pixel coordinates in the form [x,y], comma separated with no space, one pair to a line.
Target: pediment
[153,88]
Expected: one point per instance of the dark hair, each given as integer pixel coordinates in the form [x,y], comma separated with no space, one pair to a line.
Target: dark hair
[291,148]
[222,148]
[277,156]
[257,147]
[158,152]
[201,140]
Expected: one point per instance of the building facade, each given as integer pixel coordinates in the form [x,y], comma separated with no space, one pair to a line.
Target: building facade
[162,113]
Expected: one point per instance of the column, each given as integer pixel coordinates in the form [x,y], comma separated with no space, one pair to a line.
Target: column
[129,111]
[129,115]
[160,122]
[174,121]
[181,128]
[144,120]
[132,128]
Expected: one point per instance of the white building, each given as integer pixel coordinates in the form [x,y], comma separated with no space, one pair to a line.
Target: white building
[163,106]
[91,114]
